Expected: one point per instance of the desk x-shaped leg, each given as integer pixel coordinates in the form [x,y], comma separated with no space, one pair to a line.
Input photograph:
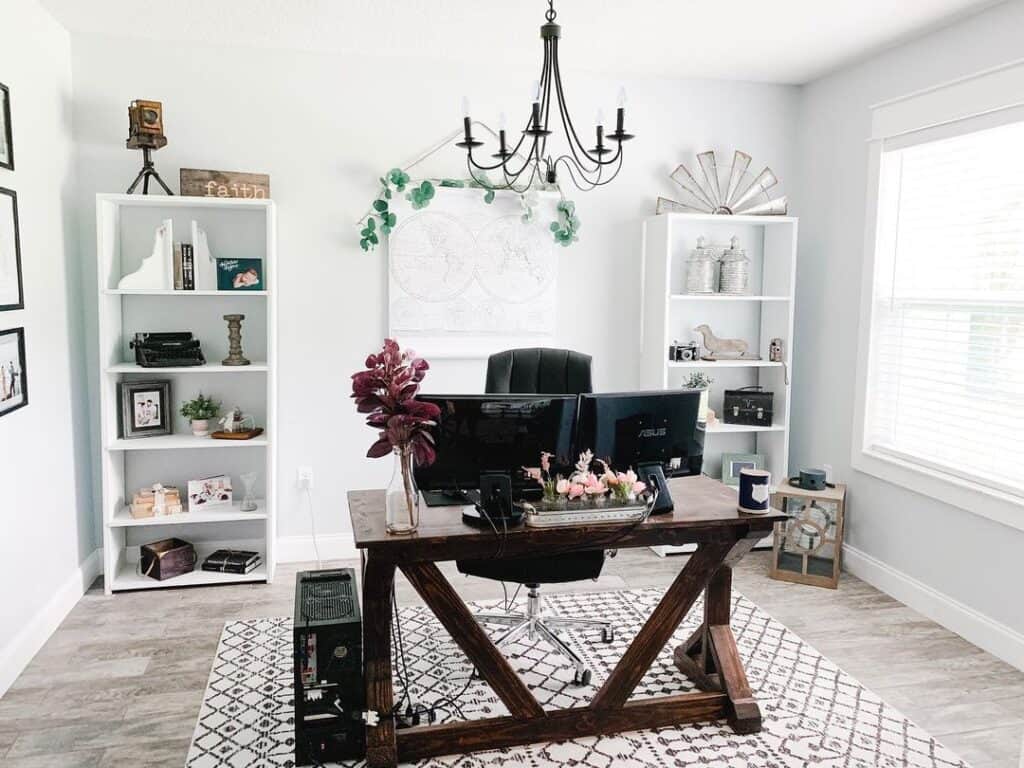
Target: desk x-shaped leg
[727,694]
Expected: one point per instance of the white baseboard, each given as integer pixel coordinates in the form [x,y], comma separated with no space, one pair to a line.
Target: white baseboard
[26,644]
[299,549]
[986,633]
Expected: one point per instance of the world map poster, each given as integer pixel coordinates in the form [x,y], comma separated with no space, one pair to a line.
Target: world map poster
[467,277]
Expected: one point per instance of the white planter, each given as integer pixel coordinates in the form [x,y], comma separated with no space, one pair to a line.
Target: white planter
[201,427]
[702,409]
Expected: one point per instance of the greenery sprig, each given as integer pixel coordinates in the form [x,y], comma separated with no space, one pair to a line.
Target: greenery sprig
[382,220]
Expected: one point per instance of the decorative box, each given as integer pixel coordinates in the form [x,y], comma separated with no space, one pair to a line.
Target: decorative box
[157,501]
[750,406]
[167,558]
[807,548]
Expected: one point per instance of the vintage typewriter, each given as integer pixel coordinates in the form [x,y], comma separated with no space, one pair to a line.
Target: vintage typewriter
[166,350]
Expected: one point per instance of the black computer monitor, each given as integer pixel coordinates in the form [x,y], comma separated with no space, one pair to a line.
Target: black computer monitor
[494,433]
[632,428]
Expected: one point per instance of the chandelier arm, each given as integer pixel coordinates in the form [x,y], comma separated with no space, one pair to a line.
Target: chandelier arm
[546,79]
[574,167]
[570,130]
[508,185]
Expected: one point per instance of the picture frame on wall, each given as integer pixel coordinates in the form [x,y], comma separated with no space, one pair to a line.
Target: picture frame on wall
[13,376]
[11,290]
[144,408]
[6,133]
[732,463]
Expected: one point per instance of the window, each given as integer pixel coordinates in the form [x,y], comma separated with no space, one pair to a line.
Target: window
[944,383]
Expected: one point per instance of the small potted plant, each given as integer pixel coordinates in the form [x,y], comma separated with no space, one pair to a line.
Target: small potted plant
[199,412]
[700,381]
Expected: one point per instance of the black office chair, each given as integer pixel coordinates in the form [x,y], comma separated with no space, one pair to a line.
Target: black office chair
[549,372]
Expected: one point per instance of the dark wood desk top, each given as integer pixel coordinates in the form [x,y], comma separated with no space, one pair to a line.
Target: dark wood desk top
[705,510]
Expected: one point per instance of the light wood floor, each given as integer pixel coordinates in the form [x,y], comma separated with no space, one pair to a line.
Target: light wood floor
[120,683]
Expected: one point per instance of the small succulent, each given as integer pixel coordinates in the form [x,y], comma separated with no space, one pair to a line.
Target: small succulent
[698,380]
[200,408]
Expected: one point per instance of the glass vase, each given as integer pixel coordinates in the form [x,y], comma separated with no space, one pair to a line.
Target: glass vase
[402,495]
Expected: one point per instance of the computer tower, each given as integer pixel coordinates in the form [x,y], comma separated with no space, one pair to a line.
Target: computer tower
[328,653]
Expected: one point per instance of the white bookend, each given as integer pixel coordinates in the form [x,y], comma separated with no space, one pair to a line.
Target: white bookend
[157,269]
[205,265]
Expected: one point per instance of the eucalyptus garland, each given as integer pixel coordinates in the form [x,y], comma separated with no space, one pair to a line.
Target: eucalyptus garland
[382,220]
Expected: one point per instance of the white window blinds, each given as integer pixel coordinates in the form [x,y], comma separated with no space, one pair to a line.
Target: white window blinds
[945,385]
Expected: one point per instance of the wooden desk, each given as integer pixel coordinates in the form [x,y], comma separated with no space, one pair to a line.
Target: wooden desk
[705,514]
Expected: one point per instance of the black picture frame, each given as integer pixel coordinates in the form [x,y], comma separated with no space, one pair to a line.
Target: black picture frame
[5,129]
[16,237]
[13,381]
[128,424]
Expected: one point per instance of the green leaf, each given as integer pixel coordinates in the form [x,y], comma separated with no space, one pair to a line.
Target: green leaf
[555,226]
[489,196]
[386,229]
[390,219]
[380,205]
[364,231]
[371,224]
[364,244]
[373,239]
[387,194]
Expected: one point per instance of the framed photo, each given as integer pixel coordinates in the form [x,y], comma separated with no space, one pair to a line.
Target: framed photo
[210,492]
[11,295]
[13,379]
[145,408]
[732,463]
[240,275]
[6,135]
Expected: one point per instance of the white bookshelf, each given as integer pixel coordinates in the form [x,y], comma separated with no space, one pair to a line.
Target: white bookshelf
[669,314]
[125,225]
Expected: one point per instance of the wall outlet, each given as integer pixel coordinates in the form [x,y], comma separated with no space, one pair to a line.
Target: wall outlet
[305,479]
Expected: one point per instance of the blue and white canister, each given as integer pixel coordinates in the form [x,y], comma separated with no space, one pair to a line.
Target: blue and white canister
[755,491]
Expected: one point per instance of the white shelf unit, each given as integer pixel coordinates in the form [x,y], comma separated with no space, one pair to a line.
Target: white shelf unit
[669,314]
[125,225]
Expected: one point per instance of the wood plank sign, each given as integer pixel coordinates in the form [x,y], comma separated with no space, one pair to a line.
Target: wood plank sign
[195,182]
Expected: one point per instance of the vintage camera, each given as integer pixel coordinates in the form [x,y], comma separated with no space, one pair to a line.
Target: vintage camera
[682,353]
[146,125]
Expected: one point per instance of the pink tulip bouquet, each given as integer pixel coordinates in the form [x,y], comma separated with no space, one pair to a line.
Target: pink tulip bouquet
[583,483]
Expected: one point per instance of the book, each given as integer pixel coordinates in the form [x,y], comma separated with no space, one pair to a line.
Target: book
[232,561]
[188,267]
[179,277]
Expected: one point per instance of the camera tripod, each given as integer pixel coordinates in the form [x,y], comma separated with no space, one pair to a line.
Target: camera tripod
[148,172]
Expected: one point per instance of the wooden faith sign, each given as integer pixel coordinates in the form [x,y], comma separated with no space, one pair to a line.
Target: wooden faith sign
[202,183]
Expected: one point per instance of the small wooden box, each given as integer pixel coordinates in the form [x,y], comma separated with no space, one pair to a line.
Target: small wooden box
[808,548]
[167,558]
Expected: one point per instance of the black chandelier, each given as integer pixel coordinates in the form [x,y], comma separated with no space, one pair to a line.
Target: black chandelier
[587,168]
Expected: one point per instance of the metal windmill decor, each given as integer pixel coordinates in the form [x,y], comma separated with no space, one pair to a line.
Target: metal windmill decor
[725,189]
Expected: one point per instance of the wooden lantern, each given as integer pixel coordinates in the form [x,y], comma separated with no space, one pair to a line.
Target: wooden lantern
[807,548]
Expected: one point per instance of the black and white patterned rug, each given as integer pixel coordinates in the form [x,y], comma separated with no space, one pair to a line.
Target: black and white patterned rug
[814,713]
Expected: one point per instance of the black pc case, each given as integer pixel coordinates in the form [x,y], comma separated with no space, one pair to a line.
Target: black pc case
[328,652]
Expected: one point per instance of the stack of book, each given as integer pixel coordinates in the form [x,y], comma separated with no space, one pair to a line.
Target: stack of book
[184,267]
[232,561]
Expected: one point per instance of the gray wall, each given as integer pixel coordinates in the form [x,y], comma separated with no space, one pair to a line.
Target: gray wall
[954,551]
[46,531]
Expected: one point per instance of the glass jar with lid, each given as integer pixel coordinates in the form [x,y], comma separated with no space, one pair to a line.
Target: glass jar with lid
[700,269]
[734,275]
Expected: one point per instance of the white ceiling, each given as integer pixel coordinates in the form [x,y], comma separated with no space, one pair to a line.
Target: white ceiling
[782,41]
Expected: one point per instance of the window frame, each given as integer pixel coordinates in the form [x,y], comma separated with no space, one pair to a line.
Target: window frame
[977,96]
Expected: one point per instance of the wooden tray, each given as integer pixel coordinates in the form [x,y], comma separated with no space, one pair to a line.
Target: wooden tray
[248,434]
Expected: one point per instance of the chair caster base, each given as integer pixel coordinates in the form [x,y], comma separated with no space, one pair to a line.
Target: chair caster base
[581,679]
[608,635]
